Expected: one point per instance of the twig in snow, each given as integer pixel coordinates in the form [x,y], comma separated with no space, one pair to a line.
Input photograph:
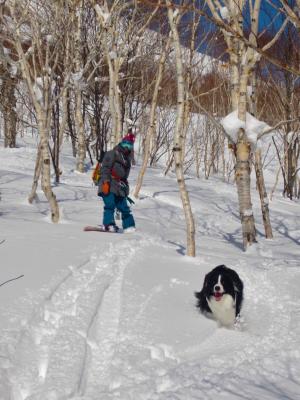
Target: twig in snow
[13,279]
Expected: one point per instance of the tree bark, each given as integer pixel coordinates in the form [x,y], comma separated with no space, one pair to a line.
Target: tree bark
[242,175]
[8,107]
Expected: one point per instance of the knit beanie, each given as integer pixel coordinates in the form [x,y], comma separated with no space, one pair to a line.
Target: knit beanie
[128,141]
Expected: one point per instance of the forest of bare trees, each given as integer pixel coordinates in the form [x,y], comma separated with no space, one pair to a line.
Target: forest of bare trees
[82,71]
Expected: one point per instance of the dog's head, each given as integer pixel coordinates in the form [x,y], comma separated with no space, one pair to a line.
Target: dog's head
[220,281]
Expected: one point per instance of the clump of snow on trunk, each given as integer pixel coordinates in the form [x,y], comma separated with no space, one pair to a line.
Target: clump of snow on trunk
[253,127]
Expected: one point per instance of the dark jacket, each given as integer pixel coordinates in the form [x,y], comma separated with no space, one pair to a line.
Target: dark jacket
[115,169]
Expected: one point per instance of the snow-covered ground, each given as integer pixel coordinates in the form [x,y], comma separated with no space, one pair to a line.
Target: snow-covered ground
[103,316]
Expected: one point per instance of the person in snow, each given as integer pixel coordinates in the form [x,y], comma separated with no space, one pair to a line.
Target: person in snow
[113,184]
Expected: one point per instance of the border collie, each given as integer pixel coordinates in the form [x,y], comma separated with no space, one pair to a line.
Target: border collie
[221,296]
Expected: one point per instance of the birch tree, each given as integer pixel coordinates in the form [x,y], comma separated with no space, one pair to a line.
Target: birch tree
[258,165]
[119,22]
[37,54]
[8,82]
[152,118]
[282,109]
[109,42]
[8,108]
[8,102]
[76,11]
[173,17]
[243,59]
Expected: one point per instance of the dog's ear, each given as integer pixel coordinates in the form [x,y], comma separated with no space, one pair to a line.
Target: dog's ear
[197,295]
[205,283]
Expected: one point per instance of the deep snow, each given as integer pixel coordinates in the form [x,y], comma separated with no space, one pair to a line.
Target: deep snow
[103,316]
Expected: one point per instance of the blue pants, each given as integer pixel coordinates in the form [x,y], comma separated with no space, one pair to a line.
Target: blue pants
[113,202]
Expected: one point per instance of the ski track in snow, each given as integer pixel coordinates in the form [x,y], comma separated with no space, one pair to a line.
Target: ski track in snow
[73,329]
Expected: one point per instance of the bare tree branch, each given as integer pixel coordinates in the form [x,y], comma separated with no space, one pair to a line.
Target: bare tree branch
[223,25]
[273,128]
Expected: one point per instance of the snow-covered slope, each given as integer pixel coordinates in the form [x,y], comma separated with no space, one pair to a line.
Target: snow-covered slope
[102,316]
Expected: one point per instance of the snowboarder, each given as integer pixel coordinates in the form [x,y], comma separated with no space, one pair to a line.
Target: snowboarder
[113,185]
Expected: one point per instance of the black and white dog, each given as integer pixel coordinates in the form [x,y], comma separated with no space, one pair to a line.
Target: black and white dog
[222,295]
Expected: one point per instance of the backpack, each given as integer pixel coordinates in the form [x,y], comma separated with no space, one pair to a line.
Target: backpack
[96,176]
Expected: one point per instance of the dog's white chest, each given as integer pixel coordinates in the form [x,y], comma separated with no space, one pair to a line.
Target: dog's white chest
[223,310]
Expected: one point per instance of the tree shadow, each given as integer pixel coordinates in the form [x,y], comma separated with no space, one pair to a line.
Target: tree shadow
[232,238]
[265,385]
[156,194]
[270,385]
[227,209]
[283,230]
[180,249]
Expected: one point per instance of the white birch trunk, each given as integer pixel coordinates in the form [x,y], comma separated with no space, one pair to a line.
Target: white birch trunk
[111,97]
[151,129]
[36,177]
[43,113]
[116,46]
[113,63]
[79,124]
[242,61]
[46,169]
[178,136]
[81,146]
[118,133]
[264,201]
[243,168]
[263,195]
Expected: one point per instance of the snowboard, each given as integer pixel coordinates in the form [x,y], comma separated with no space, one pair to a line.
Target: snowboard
[90,228]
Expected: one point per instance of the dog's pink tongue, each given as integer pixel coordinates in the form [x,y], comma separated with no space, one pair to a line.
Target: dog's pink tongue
[218,296]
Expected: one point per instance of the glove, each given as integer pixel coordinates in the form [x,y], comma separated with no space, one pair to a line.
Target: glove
[124,188]
[105,188]
[124,184]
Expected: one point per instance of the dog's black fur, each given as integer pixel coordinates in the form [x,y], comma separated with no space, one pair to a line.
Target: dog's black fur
[217,283]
